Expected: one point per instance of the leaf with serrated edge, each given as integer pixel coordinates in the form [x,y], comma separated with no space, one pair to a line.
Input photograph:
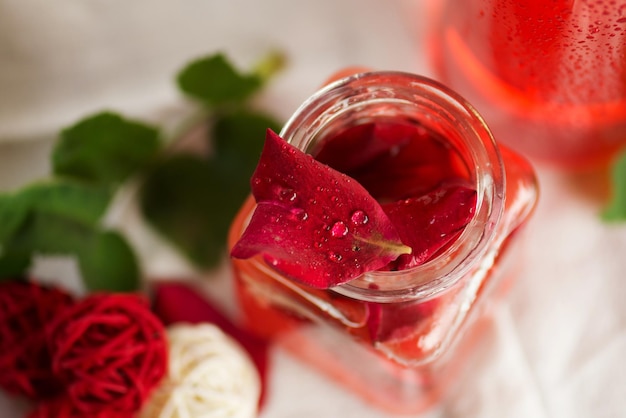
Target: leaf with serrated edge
[13,266]
[105,149]
[191,200]
[213,80]
[238,139]
[82,203]
[186,200]
[105,259]
[12,214]
[108,263]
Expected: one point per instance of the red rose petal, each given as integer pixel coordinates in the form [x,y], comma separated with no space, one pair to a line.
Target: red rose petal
[177,302]
[403,182]
[412,168]
[355,147]
[314,223]
[431,221]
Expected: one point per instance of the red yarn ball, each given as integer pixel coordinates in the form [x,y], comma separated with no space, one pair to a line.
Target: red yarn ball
[110,351]
[26,309]
[64,408]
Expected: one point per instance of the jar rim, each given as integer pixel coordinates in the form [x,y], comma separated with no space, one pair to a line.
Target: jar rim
[436,275]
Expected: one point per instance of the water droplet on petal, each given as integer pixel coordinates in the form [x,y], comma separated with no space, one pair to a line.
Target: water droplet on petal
[300,214]
[286,194]
[335,257]
[359,217]
[339,230]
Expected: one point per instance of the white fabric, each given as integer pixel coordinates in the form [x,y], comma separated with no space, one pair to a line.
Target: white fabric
[557,349]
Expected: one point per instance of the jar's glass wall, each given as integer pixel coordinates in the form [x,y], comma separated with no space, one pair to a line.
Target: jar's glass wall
[390,336]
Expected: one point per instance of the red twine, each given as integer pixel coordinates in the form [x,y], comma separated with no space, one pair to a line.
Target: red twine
[110,352]
[62,408]
[25,362]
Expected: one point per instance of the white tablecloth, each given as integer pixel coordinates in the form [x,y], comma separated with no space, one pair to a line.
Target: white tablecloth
[558,347]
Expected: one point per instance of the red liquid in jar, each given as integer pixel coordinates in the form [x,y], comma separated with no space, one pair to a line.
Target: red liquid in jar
[549,76]
[395,161]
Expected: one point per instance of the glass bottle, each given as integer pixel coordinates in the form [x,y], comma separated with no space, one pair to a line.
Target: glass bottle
[549,77]
[392,336]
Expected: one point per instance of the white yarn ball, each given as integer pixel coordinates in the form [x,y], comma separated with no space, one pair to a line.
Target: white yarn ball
[209,376]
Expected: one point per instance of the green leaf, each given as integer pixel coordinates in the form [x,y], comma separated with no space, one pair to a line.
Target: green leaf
[107,263]
[78,201]
[213,80]
[83,203]
[12,214]
[50,234]
[192,201]
[239,138]
[616,209]
[52,217]
[105,149]
[13,266]
[184,199]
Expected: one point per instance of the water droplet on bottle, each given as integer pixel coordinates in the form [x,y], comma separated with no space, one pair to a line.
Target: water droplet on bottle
[335,257]
[359,217]
[339,230]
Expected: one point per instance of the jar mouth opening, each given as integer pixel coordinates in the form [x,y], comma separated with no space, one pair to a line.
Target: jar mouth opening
[439,108]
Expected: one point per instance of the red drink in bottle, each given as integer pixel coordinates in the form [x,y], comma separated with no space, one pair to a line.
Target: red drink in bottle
[549,76]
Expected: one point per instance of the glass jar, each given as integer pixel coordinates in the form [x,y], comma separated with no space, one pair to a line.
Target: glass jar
[390,336]
[549,77]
